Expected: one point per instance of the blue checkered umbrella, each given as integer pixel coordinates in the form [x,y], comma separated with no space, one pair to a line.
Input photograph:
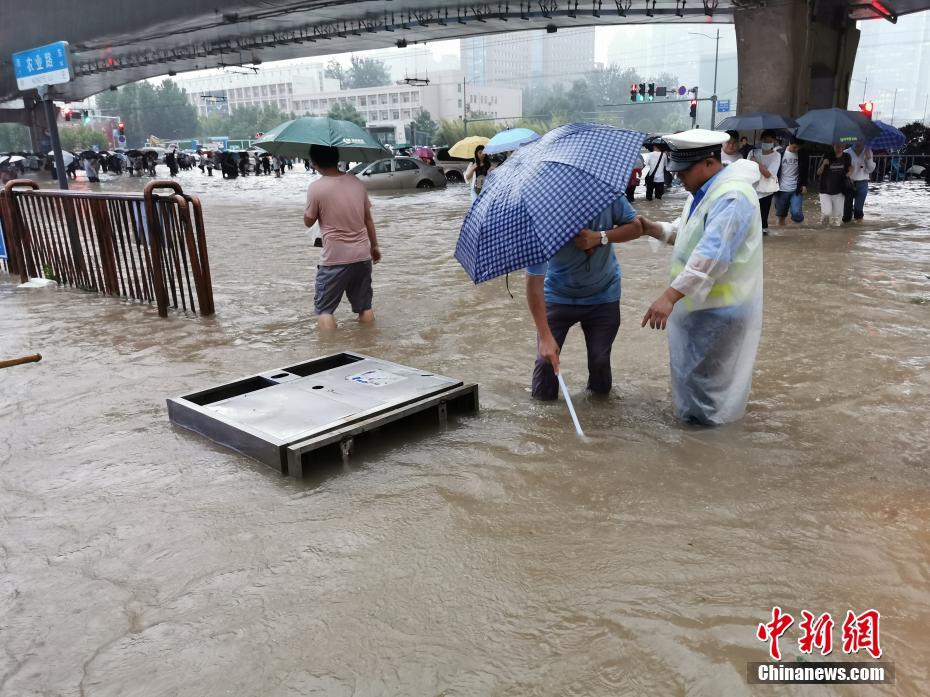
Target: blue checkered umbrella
[542,196]
[889,139]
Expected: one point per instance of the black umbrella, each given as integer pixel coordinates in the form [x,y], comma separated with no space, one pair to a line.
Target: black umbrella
[757,121]
[89,155]
[830,126]
[133,153]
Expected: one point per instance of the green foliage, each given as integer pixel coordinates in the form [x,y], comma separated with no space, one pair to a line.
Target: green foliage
[453,130]
[367,72]
[918,138]
[363,72]
[425,129]
[77,137]
[346,112]
[243,123]
[14,137]
[147,110]
[597,97]
[335,71]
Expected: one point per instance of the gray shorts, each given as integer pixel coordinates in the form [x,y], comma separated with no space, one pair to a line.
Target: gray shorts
[352,279]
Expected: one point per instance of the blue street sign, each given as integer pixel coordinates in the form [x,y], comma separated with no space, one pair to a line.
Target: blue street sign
[723,106]
[2,243]
[44,65]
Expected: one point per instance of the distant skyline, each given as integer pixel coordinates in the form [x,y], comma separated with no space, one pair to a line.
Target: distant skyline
[890,57]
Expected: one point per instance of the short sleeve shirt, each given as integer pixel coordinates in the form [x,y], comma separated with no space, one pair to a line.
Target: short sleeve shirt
[340,204]
[573,277]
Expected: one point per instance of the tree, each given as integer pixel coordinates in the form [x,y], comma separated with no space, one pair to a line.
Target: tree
[14,137]
[162,111]
[424,127]
[346,112]
[176,116]
[335,71]
[367,72]
[918,138]
[77,137]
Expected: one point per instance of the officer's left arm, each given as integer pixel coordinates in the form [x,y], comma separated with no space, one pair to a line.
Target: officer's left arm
[728,224]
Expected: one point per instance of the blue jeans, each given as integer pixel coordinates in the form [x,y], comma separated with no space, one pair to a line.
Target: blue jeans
[790,199]
[855,201]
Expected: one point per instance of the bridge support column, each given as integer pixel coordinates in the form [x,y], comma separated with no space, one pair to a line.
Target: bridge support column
[795,56]
[32,117]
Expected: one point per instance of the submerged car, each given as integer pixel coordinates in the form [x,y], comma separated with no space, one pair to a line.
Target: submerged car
[399,173]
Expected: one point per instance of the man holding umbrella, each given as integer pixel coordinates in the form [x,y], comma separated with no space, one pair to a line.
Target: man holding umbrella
[713,305]
[581,285]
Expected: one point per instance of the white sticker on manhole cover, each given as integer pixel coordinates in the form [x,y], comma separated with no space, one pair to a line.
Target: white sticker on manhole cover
[375,378]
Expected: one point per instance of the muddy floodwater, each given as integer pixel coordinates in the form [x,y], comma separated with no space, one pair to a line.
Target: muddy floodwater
[504,556]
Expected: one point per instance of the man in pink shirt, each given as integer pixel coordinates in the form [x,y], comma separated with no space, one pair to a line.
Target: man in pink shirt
[340,203]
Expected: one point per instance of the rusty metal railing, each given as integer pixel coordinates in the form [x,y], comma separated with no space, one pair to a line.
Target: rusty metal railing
[148,247]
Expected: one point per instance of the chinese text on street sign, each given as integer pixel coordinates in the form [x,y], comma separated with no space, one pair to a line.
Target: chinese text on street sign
[45,65]
[723,105]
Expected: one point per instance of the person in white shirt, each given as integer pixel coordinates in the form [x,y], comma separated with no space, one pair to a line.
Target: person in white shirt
[655,172]
[731,150]
[769,161]
[792,181]
[863,165]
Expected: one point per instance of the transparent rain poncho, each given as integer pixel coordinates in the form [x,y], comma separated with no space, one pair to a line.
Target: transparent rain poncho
[714,330]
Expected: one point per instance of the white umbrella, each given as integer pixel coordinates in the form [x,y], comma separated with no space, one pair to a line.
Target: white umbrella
[66,156]
[12,159]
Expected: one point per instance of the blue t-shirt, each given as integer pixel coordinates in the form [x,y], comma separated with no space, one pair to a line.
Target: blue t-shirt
[573,277]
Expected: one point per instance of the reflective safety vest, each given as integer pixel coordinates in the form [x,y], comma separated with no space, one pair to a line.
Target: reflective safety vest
[743,278]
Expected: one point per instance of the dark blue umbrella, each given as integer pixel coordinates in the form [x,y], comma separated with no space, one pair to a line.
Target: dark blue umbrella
[830,126]
[757,121]
[542,196]
[890,139]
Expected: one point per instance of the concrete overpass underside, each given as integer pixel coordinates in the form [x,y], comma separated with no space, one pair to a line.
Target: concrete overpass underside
[806,63]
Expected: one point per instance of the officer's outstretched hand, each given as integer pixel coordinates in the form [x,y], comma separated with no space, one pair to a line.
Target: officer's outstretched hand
[657,314]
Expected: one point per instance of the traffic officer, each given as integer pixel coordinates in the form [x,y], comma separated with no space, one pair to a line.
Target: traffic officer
[713,305]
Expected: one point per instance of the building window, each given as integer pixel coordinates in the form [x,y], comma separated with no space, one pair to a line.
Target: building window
[460,104]
[395,115]
[406,97]
[415,98]
[264,90]
[395,98]
[406,114]
[382,98]
[384,116]
[362,100]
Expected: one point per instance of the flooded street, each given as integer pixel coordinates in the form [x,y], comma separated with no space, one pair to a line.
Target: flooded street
[504,556]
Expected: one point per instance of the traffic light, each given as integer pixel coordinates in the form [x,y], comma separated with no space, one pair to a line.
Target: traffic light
[693,112]
[67,114]
[867,108]
[633,91]
[86,118]
[642,91]
[651,92]
[122,128]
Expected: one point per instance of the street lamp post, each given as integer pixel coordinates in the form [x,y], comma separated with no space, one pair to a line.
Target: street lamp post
[713,97]
[893,105]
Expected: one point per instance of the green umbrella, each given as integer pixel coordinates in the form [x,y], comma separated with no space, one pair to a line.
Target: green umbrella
[294,138]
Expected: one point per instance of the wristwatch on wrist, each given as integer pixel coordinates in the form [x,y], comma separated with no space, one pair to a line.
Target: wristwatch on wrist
[603,237]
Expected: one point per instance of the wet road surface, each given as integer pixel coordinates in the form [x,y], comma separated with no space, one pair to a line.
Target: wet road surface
[502,557]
